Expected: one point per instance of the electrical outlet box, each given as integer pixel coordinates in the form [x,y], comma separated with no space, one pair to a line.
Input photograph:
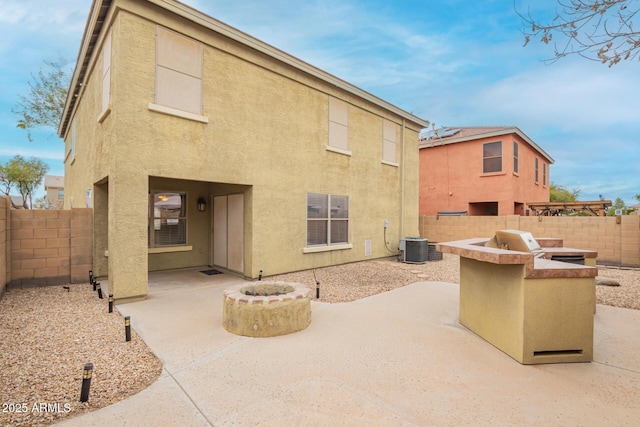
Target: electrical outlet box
[386,223]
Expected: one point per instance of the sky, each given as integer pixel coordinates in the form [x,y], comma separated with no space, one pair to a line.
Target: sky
[452,62]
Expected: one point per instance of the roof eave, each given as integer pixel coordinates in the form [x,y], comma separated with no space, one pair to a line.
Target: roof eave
[94,26]
[500,132]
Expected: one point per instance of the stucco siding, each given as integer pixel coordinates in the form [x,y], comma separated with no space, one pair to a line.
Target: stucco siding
[451,176]
[263,133]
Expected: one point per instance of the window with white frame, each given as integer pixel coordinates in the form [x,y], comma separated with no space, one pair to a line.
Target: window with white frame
[515,157]
[179,64]
[167,219]
[106,73]
[544,174]
[536,169]
[389,135]
[327,219]
[338,124]
[70,143]
[492,157]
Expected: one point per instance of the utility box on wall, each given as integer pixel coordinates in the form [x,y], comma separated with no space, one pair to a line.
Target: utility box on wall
[414,250]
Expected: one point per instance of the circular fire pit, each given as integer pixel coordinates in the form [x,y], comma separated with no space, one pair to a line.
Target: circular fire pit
[266,309]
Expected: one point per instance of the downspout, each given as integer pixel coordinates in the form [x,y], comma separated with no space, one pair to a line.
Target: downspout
[402,155]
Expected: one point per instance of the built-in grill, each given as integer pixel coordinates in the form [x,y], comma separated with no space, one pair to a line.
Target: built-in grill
[516,295]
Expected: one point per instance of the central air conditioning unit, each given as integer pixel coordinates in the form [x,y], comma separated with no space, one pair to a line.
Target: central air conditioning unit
[415,250]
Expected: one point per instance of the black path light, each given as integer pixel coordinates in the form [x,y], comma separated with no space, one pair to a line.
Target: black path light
[317,285]
[127,328]
[110,303]
[86,382]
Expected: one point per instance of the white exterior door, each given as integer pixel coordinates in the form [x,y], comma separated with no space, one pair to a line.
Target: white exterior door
[228,232]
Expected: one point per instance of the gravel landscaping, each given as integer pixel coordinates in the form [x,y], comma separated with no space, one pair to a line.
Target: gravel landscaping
[49,333]
[358,280]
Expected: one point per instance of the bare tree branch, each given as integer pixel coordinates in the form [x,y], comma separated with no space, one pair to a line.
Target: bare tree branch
[599,30]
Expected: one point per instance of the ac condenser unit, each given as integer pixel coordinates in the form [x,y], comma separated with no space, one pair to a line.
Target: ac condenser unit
[415,250]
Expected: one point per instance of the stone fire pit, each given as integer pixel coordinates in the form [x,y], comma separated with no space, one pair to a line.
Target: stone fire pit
[266,309]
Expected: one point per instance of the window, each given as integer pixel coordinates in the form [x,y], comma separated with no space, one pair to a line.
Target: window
[338,124]
[515,157]
[167,219]
[327,219]
[70,143]
[61,194]
[179,66]
[106,73]
[544,174]
[389,132]
[492,157]
[536,170]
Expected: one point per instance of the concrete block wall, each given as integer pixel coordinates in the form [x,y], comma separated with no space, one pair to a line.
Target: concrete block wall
[50,247]
[5,261]
[617,242]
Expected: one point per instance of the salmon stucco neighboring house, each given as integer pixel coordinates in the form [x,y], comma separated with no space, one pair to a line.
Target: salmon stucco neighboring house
[199,145]
[481,171]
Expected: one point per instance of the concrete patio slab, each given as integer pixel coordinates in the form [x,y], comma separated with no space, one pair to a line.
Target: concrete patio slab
[399,358]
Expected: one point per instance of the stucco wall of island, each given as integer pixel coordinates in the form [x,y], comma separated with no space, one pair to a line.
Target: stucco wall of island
[532,308]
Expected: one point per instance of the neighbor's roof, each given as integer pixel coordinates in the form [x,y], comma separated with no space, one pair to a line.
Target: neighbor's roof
[53,181]
[93,28]
[452,135]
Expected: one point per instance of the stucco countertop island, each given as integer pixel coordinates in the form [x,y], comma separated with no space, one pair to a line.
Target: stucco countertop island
[534,309]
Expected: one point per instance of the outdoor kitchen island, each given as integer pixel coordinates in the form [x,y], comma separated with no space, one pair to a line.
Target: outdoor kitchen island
[534,309]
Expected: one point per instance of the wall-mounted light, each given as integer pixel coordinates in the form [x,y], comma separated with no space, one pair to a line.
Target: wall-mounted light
[202,205]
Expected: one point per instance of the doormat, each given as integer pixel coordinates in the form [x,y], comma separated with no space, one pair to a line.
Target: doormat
[211,272]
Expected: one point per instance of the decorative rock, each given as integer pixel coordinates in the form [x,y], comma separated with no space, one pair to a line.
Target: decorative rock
[603,281]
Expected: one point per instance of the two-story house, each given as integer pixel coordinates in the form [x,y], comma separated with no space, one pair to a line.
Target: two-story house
[54,191]
[481,171]
[199,145]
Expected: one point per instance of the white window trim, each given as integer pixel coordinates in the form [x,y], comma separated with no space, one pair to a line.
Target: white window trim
[104,115]
[107,43]
[177,113]
[150,218]
[339,150]
[386,162]
[166,249]
[326,248]
[329,246]
[502,168]
[385,125]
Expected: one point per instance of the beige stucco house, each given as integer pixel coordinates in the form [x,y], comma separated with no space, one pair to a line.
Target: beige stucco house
[198,145]
[54,191]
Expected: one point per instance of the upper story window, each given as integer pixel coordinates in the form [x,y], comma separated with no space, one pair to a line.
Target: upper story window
[515,157]
[70,144]
[167,219]
[389,132]
[536,169]
[492,157]
[338,125]
[179,64]
[544,174]
[327,219]
[106,73]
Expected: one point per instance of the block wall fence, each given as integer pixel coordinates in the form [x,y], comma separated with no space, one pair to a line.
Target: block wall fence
[4,246]
[44,247]
[616,243]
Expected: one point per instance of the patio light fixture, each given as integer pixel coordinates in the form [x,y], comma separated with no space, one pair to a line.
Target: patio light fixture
[202,205]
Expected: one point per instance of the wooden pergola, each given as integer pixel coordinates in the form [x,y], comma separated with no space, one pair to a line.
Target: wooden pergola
[593,208]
